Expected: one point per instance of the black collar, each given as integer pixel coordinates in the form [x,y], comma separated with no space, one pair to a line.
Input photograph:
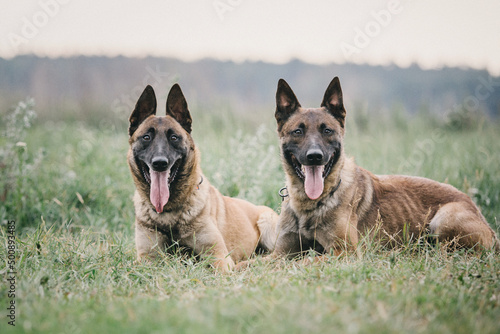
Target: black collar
[198,185]
[336,188]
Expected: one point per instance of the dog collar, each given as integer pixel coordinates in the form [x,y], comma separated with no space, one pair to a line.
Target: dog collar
[282,194]
[198,185]
[336,188]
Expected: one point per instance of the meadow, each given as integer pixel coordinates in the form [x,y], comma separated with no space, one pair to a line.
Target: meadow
[68,188]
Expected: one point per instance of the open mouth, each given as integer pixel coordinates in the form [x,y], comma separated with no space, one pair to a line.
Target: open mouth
[313,175]
[301,169]
[172,172]
[159,183]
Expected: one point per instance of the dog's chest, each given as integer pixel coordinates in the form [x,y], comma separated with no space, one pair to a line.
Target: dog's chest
[177,225]
[310,224]
[321,215]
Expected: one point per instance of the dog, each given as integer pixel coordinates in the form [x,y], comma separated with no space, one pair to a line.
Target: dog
[332,201]
[175,203]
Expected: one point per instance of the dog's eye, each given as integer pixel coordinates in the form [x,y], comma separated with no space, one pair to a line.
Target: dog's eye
[298,132]
[327,131]
[146,137]
[174,137]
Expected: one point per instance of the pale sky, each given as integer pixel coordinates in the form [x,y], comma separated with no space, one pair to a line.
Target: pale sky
[431,33]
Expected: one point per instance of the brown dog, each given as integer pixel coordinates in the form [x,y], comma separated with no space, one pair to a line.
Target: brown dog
[332,200]
[174,202]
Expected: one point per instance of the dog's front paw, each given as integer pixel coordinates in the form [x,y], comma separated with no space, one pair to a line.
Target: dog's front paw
[243,265]
[309,260]
[223,266]
[145,257]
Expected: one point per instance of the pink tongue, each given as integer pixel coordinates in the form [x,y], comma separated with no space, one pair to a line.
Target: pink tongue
[314,181]
[159,192]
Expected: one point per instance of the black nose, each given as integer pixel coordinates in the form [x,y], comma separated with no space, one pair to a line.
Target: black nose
[314,156]
[160,164]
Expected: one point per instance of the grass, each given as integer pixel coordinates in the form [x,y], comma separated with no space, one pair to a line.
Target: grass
[89,282]
[69,190]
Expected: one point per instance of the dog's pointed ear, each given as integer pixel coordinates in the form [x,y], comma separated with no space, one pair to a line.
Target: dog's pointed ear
[286,103]
[177,107]
[145,107]
[333,101]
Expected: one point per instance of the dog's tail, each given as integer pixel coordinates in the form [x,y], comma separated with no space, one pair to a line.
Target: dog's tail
[268,227]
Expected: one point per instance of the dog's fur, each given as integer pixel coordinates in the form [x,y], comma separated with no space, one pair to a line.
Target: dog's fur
[352,200]
[174,202]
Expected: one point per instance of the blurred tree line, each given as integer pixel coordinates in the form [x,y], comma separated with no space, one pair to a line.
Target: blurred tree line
[89,88]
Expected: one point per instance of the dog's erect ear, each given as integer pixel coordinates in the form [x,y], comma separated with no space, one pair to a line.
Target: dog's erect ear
[286,103]
[333,101]
[145,107]
[177,107]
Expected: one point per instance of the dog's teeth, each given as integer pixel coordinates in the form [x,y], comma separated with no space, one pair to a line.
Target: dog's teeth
[303,169]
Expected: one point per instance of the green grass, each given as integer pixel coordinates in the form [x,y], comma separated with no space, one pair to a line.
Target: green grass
[69,190]
[89,282]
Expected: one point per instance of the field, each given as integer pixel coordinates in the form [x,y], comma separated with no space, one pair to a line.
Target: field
[68,188]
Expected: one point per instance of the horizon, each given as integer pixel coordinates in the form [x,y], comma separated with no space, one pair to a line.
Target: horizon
[250,61]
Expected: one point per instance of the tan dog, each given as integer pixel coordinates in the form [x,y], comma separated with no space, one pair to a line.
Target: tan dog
[174,202]
[332,201]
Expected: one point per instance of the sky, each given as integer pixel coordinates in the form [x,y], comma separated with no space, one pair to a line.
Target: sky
[432,34]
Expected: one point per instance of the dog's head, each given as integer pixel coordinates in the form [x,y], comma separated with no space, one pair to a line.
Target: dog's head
[311,138]
[159,145]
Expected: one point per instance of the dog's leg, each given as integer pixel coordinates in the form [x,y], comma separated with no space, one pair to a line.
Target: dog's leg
[268,228]
[343,237]
[224,265]
[322,258]
[208,241]
[288,245]
[148,242]
[458,223]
